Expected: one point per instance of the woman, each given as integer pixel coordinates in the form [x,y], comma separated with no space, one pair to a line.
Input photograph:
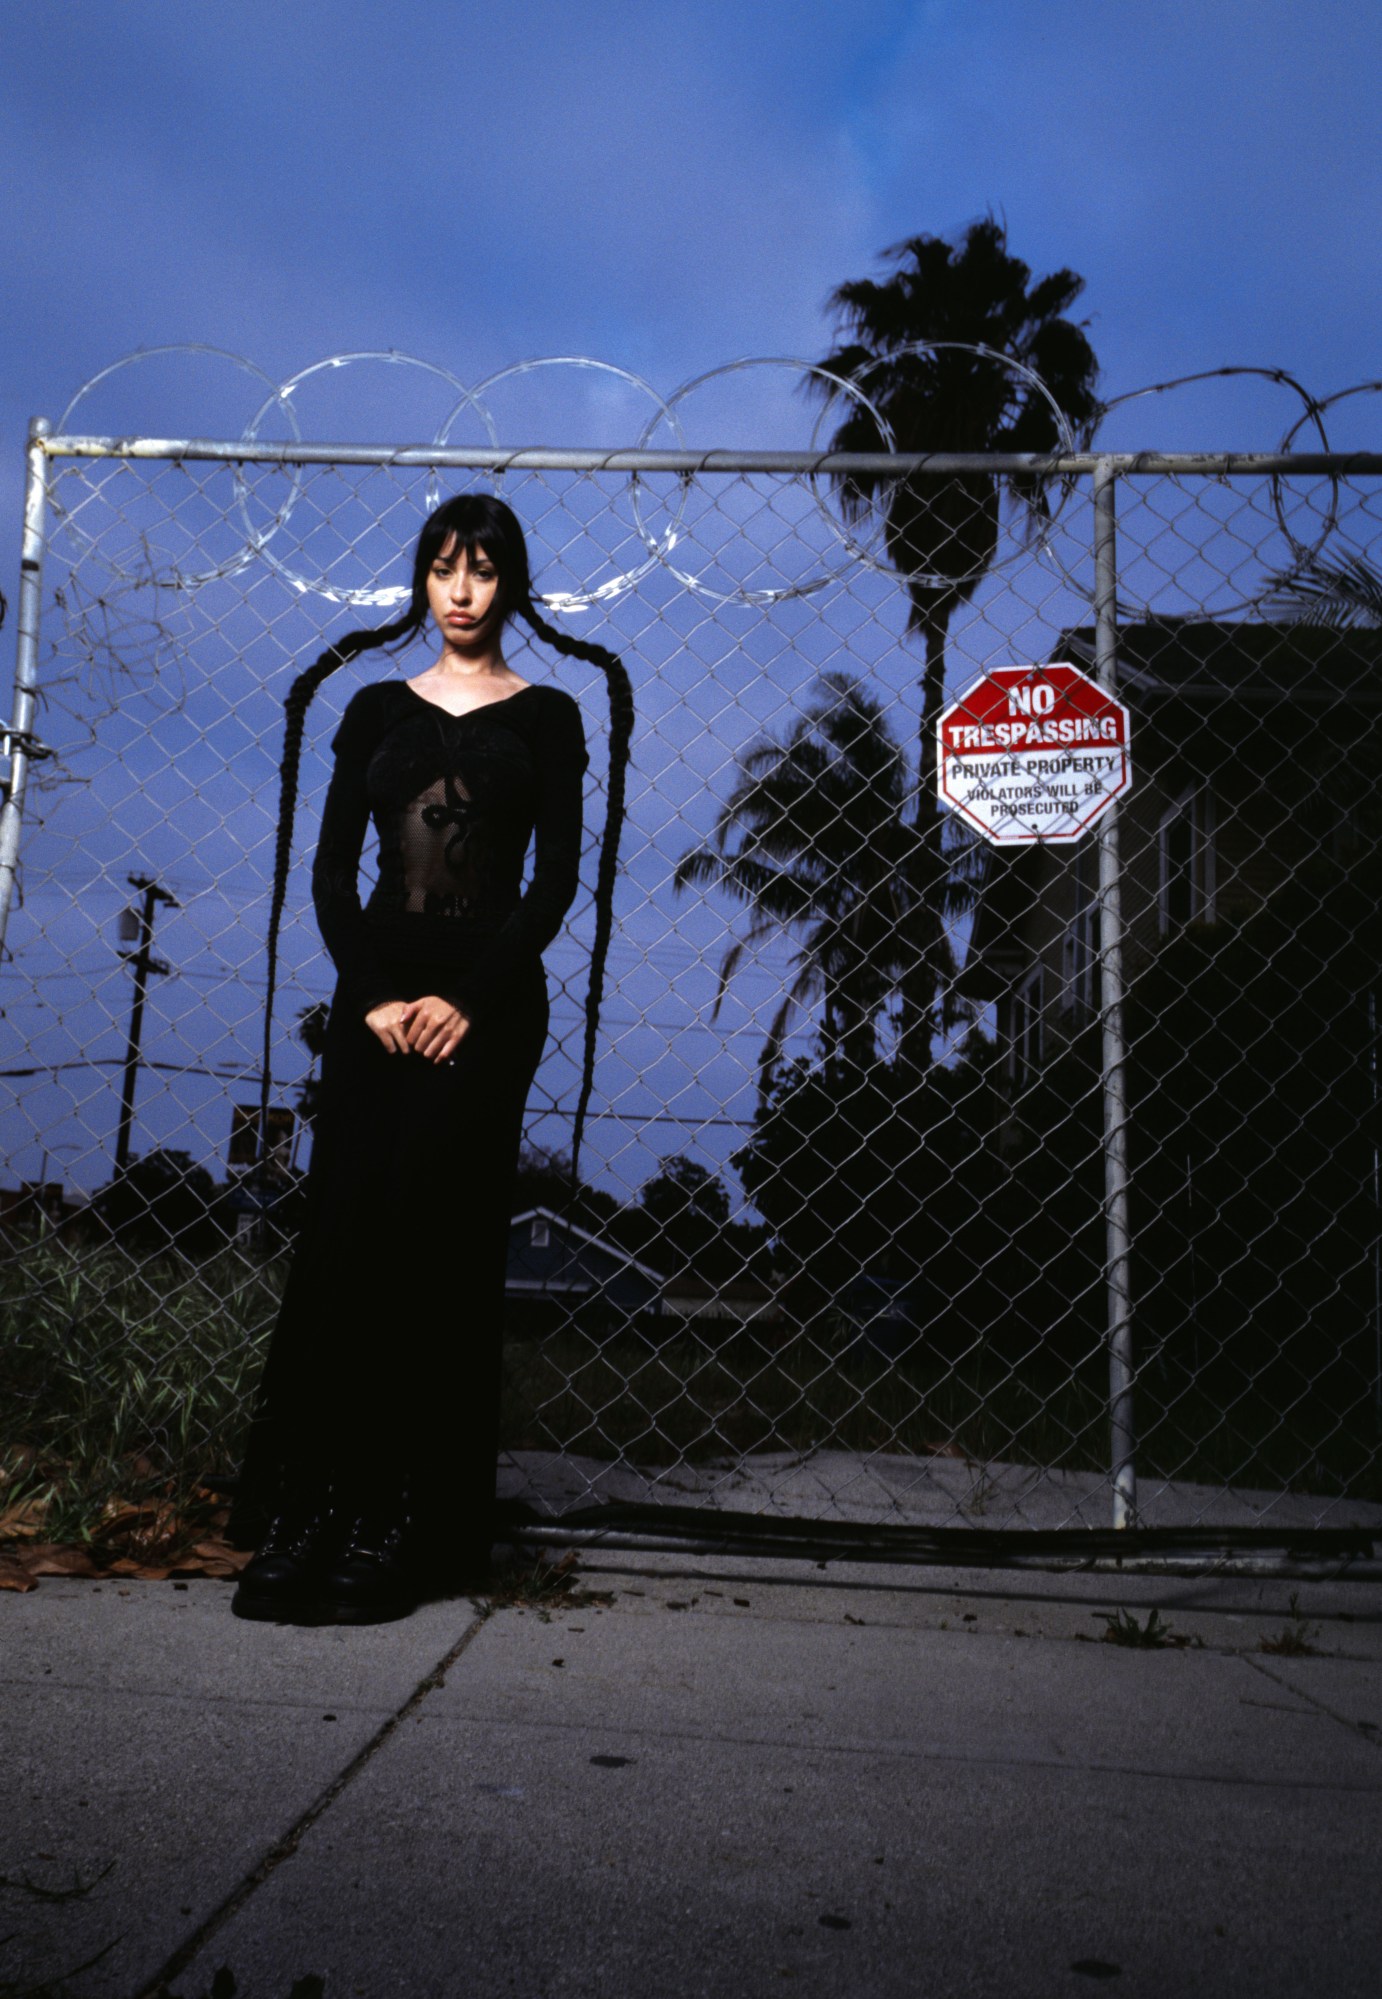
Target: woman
[369,1473]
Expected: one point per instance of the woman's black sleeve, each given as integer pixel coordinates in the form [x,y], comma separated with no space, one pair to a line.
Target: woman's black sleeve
[559,758]
[336,868]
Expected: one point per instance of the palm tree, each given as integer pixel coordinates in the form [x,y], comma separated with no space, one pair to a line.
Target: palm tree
[814,840]
[946,349]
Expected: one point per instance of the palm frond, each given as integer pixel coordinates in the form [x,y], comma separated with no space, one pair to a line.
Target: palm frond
[1346,595]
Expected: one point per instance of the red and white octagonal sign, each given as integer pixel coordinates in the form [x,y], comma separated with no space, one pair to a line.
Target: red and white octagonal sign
[1033,753]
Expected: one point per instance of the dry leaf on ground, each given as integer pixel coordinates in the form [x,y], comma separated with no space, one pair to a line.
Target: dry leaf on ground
[23,1520]
[221,1551]
[48,1560]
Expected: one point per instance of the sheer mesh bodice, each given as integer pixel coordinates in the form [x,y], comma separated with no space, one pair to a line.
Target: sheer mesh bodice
[441,840]
[456,800]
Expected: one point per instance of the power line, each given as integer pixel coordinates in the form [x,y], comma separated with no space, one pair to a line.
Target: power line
[117,1061]
[670,1028]
[253,1077]
[667,951]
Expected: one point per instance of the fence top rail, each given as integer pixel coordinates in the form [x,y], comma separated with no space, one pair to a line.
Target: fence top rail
[544,458]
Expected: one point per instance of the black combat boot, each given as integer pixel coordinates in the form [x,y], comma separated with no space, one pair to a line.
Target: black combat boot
[372,1579]
[282,1583]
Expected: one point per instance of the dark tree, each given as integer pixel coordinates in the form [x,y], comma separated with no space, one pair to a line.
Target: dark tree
[883,1174]
[681,1226]
[687,1210]
[941,529]
[813,840]
[163,1201]
[544,1181]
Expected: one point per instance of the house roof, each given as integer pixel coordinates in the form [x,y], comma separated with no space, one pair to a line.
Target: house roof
[606,1248]
[1204,659]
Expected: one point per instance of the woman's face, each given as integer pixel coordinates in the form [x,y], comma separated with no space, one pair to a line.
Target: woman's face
[463,593]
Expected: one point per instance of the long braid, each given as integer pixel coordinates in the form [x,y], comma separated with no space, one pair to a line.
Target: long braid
[295,705]
[621,718]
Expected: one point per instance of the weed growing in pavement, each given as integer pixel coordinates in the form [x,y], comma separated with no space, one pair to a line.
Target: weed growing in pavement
[1293,1639]
[544,1586]
[981,1493]
[1122,1628]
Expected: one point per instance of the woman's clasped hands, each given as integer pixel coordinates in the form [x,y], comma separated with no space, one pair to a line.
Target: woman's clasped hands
[429,1026]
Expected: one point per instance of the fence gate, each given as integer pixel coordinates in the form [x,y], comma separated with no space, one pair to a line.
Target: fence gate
[933,1191]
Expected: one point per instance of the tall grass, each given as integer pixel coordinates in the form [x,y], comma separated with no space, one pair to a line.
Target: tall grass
[122,1378]
[121,1375]
[685,1400]
[688,1401]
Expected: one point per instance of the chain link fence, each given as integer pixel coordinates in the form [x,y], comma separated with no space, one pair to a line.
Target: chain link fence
[927,1184]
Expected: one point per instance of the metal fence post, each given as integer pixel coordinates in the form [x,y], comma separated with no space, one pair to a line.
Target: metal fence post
[19,740]
[1122,1436]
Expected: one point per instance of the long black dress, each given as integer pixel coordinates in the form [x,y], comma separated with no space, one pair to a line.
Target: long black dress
[384,1363]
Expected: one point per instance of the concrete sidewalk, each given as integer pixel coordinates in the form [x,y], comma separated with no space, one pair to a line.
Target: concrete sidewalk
[709,1777]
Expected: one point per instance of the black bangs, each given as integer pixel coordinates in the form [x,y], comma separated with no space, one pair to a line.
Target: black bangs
[454,546]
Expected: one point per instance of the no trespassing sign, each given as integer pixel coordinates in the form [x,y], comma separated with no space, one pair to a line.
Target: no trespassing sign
[1033,753]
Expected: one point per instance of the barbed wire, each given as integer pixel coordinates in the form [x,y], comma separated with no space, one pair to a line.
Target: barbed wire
[128,637]
[659,543]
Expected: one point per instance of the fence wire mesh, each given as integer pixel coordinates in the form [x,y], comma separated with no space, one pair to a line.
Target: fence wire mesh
[841,1244]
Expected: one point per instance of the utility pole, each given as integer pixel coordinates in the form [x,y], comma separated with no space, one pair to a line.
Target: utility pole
[141,927]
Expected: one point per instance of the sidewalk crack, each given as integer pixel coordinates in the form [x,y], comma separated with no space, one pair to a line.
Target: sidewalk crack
[287,1846]
[1365,1731]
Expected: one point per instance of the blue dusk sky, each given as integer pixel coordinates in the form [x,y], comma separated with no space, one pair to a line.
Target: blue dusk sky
[668,186]
[665,188]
